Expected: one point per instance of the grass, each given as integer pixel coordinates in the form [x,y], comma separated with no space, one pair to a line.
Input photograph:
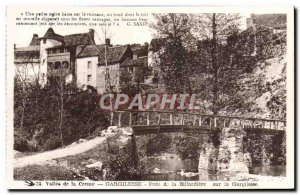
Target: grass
[38,172]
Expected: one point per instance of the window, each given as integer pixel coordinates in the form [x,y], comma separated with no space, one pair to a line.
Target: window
[89,65]
[44,41]
[57,65]
[65,64]
[50,65]
[89,78]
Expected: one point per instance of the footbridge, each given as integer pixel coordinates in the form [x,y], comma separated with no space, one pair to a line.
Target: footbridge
[153,122]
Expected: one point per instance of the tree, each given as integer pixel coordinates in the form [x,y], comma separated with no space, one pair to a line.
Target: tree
[27,80]
[213,31]
[175,31]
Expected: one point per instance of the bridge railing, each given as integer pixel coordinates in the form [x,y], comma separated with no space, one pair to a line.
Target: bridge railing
[152,118]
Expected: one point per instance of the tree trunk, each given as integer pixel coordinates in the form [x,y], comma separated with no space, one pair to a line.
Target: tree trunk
[214,65]
[61,111]
[23,113]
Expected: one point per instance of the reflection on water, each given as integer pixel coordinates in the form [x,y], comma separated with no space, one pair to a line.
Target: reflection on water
[270,170]
[169,169]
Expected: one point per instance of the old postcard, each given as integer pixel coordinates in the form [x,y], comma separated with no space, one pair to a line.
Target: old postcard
[150,98]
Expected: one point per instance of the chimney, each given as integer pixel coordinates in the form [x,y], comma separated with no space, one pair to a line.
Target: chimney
[107,42]
[15,46]
[92,34]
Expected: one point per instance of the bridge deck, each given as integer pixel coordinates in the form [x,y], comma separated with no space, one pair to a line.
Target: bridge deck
[151,122]
[154,129]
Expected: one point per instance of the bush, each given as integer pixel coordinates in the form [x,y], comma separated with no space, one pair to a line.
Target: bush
[52,143]
[158,144]
[187,147]
[120,164]
[20,143]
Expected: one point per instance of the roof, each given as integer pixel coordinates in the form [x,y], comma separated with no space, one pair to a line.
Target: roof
[114,54]
[28,48]
[50,34]
[70,40]
[77,39]
[35,40]
[140,50]
[142,61]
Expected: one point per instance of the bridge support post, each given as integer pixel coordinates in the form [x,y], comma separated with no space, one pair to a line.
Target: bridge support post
[208,154]
[224,152]
[231,152]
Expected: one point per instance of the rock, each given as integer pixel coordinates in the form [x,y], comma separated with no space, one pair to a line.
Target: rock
[112,129]
[96,165]
[82,140]
[182,173]
[90,161]
[156,170]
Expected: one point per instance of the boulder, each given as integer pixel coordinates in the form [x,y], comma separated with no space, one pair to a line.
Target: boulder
[96,165]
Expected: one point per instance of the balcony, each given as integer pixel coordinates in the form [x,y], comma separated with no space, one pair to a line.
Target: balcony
[58,72]
[53,57]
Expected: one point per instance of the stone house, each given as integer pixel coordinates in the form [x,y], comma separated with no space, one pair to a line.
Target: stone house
[52,55]
[78,60]
[92,69]
[137,67]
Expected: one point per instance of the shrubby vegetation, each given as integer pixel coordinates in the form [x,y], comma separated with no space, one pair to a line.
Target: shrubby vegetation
[45,119]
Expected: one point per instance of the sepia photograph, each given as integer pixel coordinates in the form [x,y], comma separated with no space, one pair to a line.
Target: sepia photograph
[152,98]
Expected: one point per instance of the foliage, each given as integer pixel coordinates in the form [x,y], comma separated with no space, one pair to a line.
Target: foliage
[188,147]
[265,148]
[175,29]
[20,143]
[52,143]
[206,54]
[120,162]
[41,119]
[157,144]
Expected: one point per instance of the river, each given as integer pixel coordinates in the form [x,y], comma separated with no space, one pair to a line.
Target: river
[169,169]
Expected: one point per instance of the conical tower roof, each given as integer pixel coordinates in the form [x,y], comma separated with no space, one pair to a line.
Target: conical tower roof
[50,34]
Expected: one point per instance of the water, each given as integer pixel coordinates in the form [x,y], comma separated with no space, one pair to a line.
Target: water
[169,169]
